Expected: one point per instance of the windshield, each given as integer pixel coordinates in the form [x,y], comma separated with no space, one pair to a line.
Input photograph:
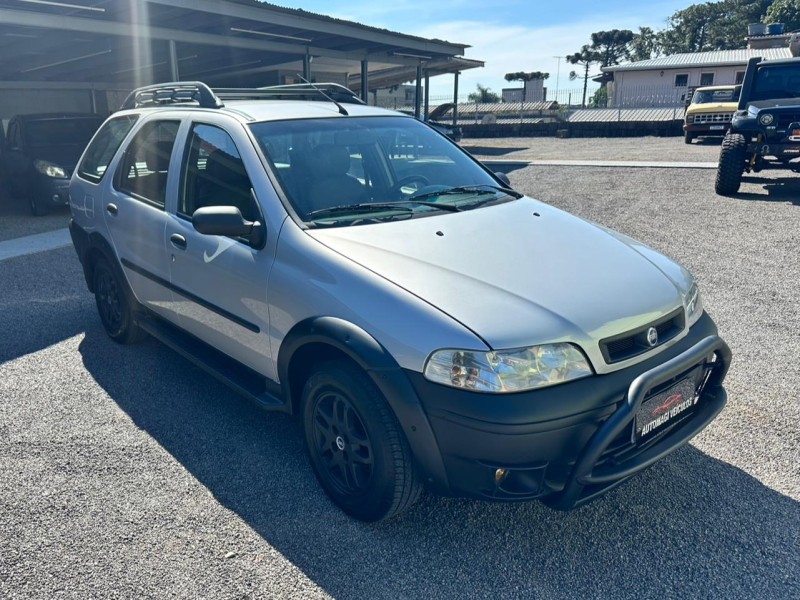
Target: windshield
[777,82]
[708,96]
[61,132]
[351,171]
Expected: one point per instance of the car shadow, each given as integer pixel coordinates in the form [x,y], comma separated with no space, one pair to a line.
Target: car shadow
[691,526]
[43,301]
[489,150]
[785,189]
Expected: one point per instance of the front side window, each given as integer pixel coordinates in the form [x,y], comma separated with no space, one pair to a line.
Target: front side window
[144,169]
[359,170]
[214,174]
[103,148]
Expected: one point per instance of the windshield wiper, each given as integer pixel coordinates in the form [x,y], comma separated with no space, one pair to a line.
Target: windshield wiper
[467,189]
[361,207]
[380,206]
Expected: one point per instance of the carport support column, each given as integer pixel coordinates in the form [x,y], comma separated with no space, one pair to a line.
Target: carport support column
[455,99]
[427,94]
[307,66]
[418,92]
[365,80]
[173,61]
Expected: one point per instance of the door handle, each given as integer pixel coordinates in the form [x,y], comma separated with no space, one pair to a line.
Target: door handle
[112,209]
[178,241]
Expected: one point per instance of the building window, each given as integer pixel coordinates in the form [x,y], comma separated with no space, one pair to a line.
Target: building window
[681,80]
[706,79]
[739,77]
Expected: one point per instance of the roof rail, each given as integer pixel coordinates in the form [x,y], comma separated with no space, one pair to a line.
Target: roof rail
[180,92]
[176,92]
[295,91]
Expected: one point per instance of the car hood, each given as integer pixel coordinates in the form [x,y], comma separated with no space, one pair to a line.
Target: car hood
[778,103]
[519,273]
[711,107]
[63,156]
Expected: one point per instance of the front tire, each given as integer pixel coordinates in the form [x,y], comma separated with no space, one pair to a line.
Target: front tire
[732,161]
[114,305]
[355,445]
[37,210]
[687,138]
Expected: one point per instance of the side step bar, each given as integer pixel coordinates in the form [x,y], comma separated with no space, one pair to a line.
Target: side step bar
[235,375]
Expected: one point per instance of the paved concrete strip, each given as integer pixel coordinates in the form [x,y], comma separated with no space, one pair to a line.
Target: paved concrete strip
[31,244]
[631,164]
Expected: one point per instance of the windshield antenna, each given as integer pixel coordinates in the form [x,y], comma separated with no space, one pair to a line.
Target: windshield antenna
[341,108]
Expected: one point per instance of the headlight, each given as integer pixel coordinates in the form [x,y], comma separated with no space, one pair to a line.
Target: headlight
[505,371]
[690,118]
[766,119]
[49,169]
[693,304]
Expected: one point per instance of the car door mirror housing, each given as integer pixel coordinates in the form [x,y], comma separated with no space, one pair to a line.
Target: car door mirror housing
[503,177]
[228,221]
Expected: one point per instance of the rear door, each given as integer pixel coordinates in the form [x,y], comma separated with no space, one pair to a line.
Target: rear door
[220,283]
[134,212]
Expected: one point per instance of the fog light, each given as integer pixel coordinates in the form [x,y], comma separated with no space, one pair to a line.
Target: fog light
[500,475]
[56,198]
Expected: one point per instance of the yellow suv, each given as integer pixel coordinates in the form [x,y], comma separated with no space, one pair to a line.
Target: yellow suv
[710,111]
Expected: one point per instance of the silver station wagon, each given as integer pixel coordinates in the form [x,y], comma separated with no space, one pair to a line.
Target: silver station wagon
[432,327]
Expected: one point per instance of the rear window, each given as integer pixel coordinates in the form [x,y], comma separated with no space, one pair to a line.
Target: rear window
[104,147]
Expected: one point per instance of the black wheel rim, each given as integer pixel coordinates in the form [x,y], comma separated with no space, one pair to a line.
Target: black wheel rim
[108,301]
[342,444]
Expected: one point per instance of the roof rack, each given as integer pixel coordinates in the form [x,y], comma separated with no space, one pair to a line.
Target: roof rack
[177,92]
[196,91]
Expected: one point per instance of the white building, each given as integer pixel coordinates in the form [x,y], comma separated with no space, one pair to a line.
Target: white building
[534,92]
[665,81]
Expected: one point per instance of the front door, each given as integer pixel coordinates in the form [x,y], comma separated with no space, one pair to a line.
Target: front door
[220,283]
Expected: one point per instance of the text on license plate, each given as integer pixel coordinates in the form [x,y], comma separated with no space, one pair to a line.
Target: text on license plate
[717,127]
[655,413]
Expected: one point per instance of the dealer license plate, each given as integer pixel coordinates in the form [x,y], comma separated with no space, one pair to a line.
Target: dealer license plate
[664,408]
[714,127]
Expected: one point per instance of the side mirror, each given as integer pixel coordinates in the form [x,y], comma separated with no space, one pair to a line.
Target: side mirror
[228,221]
[503,177]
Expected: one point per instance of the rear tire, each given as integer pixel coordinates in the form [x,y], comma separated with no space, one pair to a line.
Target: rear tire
[732,162]
[114,305]
[355,445]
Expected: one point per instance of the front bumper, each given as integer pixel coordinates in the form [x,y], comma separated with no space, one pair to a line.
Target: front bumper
[569,443]
[50,191]
[706,128]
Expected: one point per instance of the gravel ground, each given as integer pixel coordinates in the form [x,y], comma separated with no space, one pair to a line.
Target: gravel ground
[644,148]
[126,472]
[16,220]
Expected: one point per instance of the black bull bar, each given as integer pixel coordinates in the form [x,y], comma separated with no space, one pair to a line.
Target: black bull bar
[588,480]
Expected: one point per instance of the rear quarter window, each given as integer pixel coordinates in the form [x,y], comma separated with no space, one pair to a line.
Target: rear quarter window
[103,148]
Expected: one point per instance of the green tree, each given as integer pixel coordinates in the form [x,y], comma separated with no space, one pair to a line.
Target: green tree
[525,77]
[712,25]
[646,44]
[483,94]
[585,58]
[786,12]
[612,47]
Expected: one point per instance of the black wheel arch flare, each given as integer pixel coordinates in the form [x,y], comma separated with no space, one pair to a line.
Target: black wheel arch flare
[365,351]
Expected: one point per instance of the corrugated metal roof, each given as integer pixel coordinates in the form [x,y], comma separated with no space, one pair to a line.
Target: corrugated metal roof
[597,115]
[702,59]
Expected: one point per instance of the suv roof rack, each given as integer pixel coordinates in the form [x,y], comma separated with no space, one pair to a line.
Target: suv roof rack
[196,91]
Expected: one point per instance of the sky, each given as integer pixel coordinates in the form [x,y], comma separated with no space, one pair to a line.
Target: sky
[509,35]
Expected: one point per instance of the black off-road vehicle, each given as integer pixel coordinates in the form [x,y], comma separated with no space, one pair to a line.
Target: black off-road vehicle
[765,130]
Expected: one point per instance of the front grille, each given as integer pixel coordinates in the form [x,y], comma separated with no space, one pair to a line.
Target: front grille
[784,119]
[633,343]
[710,118]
